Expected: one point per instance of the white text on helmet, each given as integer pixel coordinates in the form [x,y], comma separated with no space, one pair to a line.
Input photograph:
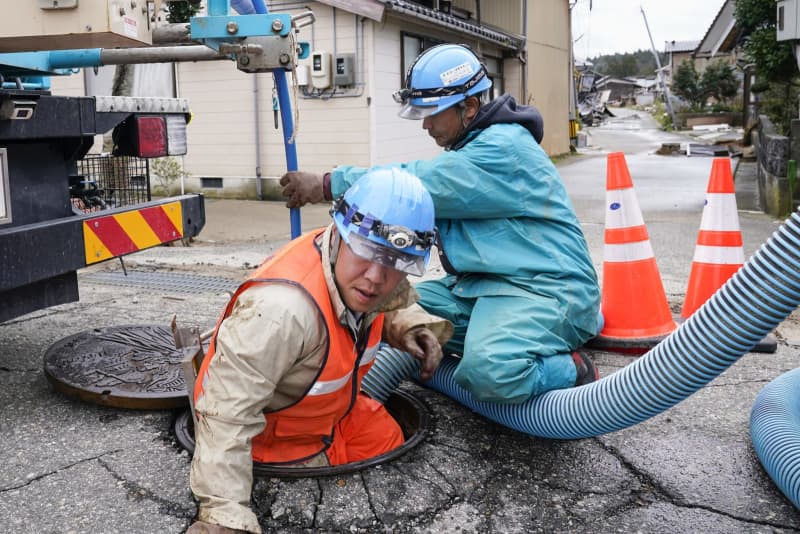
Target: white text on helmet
[456,73]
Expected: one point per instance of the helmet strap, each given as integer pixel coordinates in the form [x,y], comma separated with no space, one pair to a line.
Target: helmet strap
[336,240]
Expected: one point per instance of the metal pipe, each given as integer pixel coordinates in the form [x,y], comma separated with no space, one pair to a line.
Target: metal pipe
[115,56]
[660,73]
[333,18]
[171,34]
[257,141]
[525,52]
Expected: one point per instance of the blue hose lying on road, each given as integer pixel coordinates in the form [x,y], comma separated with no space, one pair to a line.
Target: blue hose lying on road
[749,306]
[775,431]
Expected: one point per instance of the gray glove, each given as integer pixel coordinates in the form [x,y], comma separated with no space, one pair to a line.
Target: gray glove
[201,527]
[300,188]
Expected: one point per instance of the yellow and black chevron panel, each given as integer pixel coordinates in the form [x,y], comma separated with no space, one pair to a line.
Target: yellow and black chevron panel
[115,235]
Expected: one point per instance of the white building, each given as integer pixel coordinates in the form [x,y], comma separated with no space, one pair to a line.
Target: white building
[232,136]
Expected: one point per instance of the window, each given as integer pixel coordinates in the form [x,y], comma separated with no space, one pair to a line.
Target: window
[494,68]
[211,183]
[412,46]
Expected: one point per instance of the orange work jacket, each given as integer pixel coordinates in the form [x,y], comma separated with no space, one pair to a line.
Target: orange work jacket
[304,429]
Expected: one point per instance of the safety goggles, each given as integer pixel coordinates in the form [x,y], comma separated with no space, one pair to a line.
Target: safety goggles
[388,257]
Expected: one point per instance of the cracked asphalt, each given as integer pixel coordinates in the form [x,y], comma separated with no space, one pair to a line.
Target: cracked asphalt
[69,466]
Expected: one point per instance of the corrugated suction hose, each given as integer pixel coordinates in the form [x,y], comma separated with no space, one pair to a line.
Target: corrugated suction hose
[750,305]
[775,431]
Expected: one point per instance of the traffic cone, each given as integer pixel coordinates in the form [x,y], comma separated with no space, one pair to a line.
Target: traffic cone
[635,309]
[719,253]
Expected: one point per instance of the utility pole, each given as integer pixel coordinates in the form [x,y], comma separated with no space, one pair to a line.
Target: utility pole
[660,73]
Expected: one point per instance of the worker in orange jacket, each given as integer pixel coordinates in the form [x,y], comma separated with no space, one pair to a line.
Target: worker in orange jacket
[281,380]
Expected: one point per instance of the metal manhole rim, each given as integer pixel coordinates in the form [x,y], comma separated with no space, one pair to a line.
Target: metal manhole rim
[261,470]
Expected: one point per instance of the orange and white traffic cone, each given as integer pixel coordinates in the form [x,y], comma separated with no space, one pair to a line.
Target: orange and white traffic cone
[719,253]
[635,308]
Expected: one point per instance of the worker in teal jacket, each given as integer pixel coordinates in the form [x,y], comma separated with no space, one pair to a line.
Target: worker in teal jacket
[522,291]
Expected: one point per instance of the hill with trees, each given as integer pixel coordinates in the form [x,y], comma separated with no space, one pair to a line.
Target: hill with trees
[639,64]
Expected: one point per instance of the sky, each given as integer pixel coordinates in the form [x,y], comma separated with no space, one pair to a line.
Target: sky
[618,26]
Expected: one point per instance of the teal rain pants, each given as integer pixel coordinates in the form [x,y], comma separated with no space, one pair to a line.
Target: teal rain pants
[512,347]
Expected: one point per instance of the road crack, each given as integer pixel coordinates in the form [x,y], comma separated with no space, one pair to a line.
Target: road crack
[33,479]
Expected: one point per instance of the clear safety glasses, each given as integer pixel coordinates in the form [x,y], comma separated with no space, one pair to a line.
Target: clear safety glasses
[386,256]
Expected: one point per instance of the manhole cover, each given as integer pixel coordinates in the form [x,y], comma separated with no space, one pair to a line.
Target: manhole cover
[409,412]
[123,366]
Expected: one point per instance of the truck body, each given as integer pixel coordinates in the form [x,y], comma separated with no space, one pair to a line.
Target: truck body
[45,235]
[54,218]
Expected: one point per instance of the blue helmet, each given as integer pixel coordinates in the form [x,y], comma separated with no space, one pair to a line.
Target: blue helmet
[387,217]
[441,77]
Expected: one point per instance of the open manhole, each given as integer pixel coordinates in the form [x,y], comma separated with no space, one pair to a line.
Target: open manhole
[409,412]
[134,367]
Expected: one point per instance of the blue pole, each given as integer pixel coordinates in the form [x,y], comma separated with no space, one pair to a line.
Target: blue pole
[218,7]
[290,148]
[82,57]
[288,126]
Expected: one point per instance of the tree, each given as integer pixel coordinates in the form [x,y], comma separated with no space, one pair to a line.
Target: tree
[182,10]
[686,84]
[719,81]
[776,68]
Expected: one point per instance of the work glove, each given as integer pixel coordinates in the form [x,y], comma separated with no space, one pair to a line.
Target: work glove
[422,344]
[201,527]
[300,188]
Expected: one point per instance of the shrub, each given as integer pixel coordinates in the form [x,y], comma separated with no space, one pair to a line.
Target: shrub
[166,171]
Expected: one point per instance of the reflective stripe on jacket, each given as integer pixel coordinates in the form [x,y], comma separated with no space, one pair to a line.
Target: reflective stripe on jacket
[305,428]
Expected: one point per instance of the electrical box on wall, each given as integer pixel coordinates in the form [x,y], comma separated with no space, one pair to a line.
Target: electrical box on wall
[788,20]
[344,74]
[321,70]
[302,75]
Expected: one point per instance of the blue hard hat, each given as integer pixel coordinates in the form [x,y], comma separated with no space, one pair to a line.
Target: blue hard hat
[387,217]
[441,77]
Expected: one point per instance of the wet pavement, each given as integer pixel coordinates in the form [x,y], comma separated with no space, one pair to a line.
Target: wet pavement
[72,466]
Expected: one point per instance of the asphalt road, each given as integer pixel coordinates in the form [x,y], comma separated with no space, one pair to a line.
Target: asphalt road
[70,466]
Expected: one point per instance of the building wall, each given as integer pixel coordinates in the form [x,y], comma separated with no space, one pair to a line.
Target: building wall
[395,139]
[399,139]
[702,63]
[549,69]
[332,129]
[358,125]
[505,14]
[676,58]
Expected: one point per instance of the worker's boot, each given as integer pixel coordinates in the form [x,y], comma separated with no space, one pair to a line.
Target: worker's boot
[586,371]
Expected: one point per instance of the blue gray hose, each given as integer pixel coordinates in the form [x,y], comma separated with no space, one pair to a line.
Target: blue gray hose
[775,431]
[749,306]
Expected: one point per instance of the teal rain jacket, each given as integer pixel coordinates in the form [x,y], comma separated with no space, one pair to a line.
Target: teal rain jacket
[526,292]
